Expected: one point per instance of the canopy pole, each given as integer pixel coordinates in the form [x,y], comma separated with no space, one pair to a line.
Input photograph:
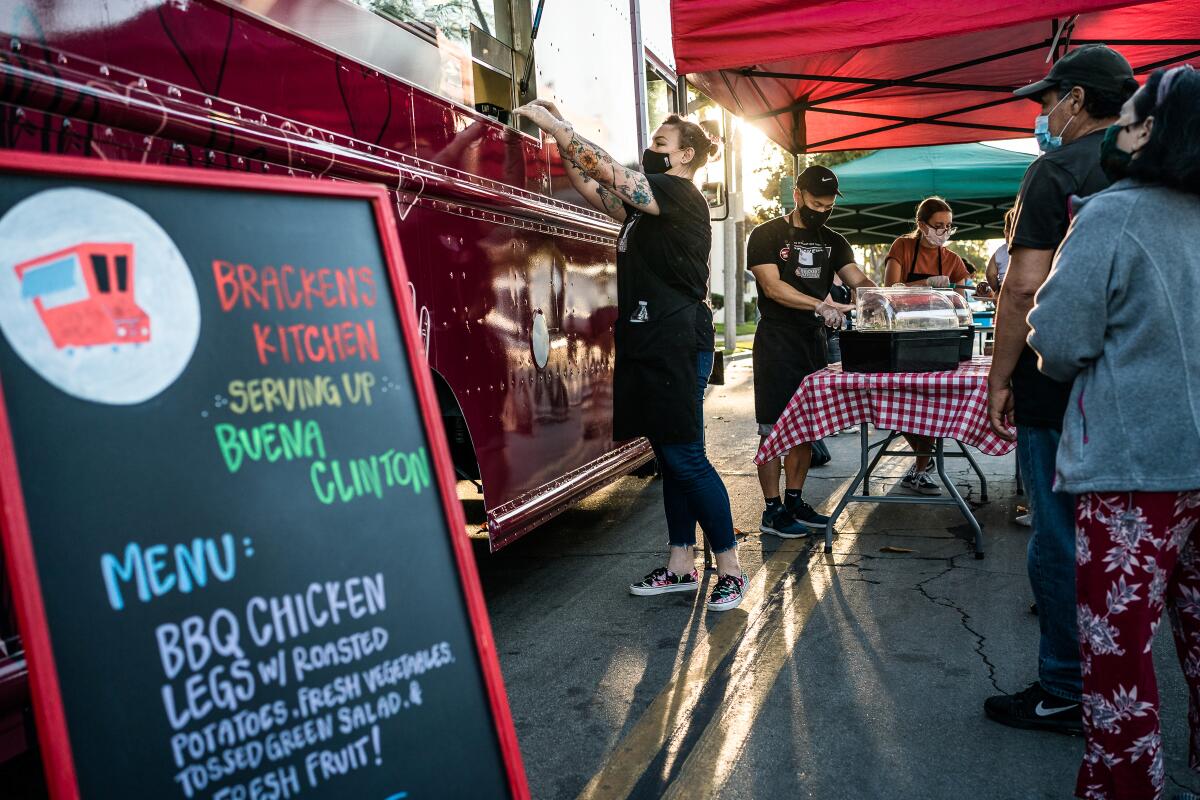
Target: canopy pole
[729,258]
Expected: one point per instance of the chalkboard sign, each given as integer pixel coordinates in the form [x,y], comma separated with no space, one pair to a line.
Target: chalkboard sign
[237,557]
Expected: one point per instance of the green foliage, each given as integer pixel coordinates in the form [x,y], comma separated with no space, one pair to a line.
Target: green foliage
[974,253]
[742,329]
[777,164]
[834,159]
[873,260]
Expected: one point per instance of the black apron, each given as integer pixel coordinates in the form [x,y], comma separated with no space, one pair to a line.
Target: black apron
[787,352]
[913,275]
[654,378]
[784,355]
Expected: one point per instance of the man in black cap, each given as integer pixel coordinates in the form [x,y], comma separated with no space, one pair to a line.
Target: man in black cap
[1081,96]
[793,259]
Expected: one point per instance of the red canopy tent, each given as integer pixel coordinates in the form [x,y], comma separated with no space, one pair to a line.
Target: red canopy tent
[835,75]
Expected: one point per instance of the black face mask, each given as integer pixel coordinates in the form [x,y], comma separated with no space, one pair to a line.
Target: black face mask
[654,162]
[1113,160]
[813,219]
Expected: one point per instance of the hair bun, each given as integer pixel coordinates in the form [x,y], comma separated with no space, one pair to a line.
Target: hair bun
[713,149]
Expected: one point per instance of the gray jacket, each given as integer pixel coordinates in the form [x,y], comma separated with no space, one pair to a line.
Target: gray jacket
[1120,316]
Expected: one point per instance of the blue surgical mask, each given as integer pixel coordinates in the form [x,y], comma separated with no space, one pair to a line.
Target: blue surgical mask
[1048,142]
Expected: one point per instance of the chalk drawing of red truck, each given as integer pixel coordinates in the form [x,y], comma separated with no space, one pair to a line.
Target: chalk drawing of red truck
[84,295]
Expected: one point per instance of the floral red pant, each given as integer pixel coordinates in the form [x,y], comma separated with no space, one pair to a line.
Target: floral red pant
[1134,551]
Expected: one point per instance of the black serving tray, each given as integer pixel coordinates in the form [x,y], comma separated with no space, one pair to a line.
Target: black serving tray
[966,346]
[901,351]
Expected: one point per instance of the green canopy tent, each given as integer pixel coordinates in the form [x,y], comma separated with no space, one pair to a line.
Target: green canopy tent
[881,191]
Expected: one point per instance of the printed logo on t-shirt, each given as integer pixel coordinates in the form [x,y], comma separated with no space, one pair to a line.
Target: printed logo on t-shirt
[808,265]
[784,254]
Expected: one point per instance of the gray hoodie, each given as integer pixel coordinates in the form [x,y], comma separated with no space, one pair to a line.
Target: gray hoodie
[1120,316]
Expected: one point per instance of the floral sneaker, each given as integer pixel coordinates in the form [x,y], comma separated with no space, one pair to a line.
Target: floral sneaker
[662,581]
[727,593]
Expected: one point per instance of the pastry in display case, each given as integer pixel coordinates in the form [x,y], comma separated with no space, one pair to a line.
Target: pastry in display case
[904,329]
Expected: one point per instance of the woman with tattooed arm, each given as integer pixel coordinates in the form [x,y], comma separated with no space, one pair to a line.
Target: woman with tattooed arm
[663,333]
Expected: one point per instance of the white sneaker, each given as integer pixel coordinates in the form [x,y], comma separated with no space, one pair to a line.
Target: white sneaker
[920,483]
[1025,520]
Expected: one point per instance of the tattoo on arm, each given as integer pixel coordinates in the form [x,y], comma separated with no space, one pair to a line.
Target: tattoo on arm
[630,185]
[600,198]
[583,176]
[613,204]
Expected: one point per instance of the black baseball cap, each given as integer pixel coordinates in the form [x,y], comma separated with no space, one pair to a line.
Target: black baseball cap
[819,181]
[1093,66]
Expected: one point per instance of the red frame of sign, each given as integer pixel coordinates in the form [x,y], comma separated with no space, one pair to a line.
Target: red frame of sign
[14,526]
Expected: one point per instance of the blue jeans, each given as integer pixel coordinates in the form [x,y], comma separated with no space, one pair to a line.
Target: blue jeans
[1051,561]
[692,490]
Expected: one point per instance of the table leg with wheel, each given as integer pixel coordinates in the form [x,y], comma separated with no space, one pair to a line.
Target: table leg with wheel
[940,460]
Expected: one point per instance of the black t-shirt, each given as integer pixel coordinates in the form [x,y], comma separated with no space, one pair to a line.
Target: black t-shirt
[807,261]
[672,246]
[1043,210]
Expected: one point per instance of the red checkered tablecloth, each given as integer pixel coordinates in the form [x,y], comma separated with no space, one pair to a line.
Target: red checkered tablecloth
[947,405]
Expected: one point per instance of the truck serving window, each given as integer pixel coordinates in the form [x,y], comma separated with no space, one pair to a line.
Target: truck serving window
[452,19]
[56,283]
[122,263]
[100,269]
[474,41]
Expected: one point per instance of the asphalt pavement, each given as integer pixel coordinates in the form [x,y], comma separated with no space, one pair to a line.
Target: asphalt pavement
[860,674]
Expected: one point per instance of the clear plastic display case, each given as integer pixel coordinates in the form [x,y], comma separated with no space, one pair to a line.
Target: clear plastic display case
[961,307]
[894,309]
[906,329]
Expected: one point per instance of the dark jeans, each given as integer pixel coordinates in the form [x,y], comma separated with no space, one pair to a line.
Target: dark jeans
[1051,562]
[835,347]
[692,489]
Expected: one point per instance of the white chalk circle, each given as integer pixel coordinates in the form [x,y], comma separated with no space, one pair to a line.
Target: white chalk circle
[95,297]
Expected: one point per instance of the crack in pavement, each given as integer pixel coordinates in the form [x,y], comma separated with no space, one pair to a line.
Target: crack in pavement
[964,617]
[945,602]
[856,565]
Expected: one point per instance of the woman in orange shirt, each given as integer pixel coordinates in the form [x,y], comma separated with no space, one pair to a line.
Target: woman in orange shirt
[921,259]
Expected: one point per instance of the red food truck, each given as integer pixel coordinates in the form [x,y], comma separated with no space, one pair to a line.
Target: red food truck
[513,280]
[84,295]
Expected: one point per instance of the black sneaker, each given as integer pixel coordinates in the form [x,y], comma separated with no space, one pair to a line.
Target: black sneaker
[920,483]
[805,514]
[779,522]
[1035,709]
